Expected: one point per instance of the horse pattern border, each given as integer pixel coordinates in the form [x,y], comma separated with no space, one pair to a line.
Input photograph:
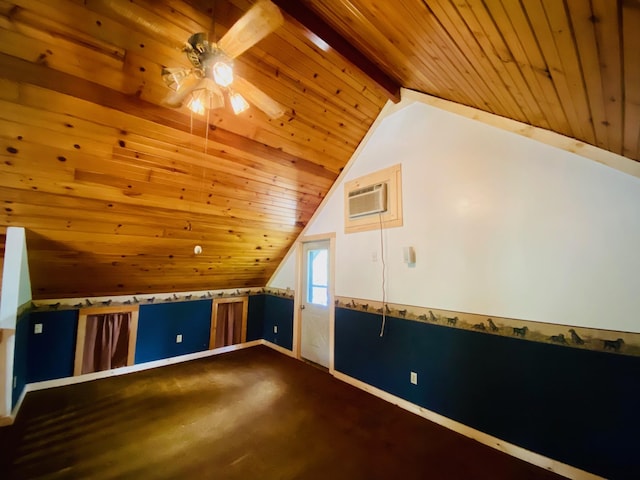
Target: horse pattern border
[609,341]
[147,299]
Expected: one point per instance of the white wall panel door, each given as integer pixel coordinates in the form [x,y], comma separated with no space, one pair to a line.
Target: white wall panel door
[314,315]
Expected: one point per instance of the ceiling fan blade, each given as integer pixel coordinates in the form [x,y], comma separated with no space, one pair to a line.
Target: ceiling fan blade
[188,85]
[259,21]
[258,98]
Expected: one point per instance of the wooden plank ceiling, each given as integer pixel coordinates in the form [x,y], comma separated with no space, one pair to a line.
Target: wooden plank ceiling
[115,189]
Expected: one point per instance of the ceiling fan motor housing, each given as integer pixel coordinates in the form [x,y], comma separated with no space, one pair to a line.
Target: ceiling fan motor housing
[208,60]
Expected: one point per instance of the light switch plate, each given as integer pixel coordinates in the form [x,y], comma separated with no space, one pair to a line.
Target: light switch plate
[179,338]
[37,328]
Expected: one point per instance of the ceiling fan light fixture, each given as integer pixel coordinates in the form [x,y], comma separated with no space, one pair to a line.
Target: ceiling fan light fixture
[173,77]
[222,73]
[213,63]
[196,104]
[208,98]
[215,99]
[238,103]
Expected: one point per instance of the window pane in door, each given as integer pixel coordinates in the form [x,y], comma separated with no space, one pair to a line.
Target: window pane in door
[319,295]
[318,277]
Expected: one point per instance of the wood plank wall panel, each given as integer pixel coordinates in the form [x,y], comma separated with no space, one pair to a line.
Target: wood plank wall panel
[3,239]
[566,65]
[115,189]
[631,47]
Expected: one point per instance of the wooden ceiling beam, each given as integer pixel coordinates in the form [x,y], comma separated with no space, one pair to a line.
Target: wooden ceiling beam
[317,27]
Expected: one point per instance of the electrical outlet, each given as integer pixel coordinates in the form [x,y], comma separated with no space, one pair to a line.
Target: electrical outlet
[15,382]
[414,378]
[37,328]
[179,338]
[275,329]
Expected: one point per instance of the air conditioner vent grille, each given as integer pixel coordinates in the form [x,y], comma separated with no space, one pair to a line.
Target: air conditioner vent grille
[368,200]
[360,191]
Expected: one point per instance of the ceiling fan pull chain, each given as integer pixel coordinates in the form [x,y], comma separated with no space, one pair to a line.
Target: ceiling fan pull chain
[206,134]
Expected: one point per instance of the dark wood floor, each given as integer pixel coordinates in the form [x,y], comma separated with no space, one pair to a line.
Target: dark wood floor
[250,414]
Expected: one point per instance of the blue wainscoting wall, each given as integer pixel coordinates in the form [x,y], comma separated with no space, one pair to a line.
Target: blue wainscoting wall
[255,317]
[278,312]
[573,405]
[20,357]
[51,353]
[159,324]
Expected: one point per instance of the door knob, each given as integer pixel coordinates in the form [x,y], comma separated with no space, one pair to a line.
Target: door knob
[302,307]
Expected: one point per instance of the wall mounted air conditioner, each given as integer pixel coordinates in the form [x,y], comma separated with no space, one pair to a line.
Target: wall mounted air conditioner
[367,200]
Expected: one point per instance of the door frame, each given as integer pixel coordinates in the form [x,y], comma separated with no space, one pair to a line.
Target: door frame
[299,294]
[83,313]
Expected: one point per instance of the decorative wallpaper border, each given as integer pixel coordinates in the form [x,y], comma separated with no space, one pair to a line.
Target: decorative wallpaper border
[609,341]
[280,292]
[146,299]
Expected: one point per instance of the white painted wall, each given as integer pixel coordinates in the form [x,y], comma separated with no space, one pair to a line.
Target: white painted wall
[502,225]
[16,282]
[286,275]
[16,291]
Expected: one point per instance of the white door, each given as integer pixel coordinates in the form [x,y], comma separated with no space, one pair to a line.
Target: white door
[314,316]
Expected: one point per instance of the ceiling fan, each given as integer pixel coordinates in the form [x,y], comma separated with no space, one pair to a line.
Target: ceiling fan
[211,77]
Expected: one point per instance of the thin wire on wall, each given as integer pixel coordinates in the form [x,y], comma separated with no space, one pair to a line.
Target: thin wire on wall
[384,293]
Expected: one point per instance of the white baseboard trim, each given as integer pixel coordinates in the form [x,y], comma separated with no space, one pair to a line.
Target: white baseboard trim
[278,348]
[15,410]
[59,382]
[484,438]
[9,419]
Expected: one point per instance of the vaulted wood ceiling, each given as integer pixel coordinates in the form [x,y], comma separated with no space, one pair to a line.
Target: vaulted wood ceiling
[115,189]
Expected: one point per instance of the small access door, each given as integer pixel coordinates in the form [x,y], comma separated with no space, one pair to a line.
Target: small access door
[105,339]
[315,315]
[228,321]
